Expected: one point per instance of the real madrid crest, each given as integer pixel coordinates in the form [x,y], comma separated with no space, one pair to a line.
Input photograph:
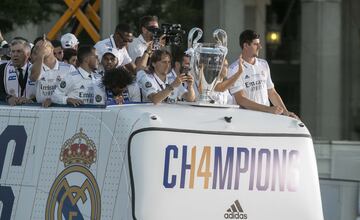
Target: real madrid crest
[98,98]
[148,84]
[75,193]
[62,84]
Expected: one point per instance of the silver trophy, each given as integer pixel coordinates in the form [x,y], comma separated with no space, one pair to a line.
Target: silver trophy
[206,61]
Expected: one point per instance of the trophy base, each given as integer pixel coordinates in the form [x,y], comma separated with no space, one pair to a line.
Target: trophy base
[213,105]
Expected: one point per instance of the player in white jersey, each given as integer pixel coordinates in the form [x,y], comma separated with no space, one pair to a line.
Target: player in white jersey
[254,88]
[120,87]
[155,85]
[84,85]
[47,71]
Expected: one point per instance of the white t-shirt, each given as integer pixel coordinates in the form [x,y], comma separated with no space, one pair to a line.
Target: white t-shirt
[50,78]
[254,81]
[151,83]
[137,47]
[80,85]
[122,54]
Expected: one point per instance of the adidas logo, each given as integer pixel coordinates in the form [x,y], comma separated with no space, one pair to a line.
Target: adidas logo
[82,87]
[247,76]
[235,211]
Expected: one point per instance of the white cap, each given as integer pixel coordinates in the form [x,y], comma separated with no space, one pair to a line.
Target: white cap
[69,41]
[110,50]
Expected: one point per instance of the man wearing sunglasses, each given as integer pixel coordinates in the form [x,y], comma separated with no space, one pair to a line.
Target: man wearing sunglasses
[141,44]
[119,40]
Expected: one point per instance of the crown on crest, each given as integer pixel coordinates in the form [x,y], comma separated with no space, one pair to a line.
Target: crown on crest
[79,149]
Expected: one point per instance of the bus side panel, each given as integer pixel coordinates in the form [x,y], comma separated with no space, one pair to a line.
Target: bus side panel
[45,178]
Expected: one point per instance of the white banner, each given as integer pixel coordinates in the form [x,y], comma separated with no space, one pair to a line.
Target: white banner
[213,177]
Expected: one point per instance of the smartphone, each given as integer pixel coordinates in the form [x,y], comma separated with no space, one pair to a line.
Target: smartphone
[185,69]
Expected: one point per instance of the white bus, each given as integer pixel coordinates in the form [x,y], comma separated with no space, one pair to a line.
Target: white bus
[163,162]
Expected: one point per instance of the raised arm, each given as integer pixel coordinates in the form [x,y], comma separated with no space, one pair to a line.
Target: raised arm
[227,83]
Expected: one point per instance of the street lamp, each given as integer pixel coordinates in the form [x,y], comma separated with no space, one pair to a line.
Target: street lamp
[273,35]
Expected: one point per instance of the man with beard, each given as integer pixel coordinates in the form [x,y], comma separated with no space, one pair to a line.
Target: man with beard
[108,60]
[84,85]
[254,88]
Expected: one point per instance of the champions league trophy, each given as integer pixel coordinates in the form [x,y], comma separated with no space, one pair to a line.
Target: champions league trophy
[206,62]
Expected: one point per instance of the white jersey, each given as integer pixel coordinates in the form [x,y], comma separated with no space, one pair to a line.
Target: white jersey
[134,92]
[254,81]
[151,83]
[50,78]
[137,47]
[171,75]
[122,55]
[80,85]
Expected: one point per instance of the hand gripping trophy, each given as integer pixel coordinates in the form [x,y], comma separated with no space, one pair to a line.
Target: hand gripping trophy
[206,62]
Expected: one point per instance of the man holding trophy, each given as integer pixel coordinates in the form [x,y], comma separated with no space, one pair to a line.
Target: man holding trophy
[254,88]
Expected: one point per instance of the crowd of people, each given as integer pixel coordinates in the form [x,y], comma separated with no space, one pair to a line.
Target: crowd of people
[122,69]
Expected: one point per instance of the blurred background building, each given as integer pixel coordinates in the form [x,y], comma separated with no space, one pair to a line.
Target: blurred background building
[313,49]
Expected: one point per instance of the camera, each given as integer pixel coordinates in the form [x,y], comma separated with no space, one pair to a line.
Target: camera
[172,33]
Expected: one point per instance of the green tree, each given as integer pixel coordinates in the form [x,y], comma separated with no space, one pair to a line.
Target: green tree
[26,11]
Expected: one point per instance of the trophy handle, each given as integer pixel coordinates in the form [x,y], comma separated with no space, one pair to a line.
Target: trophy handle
[192,46]
[221,37]
[192,41]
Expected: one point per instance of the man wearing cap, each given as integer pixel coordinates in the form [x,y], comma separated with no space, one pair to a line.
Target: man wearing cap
[108,60]
[140,44]
[84,85]
[119,40]
[69,40]
[47,71]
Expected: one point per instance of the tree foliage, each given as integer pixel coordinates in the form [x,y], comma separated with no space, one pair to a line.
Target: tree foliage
[26,11]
